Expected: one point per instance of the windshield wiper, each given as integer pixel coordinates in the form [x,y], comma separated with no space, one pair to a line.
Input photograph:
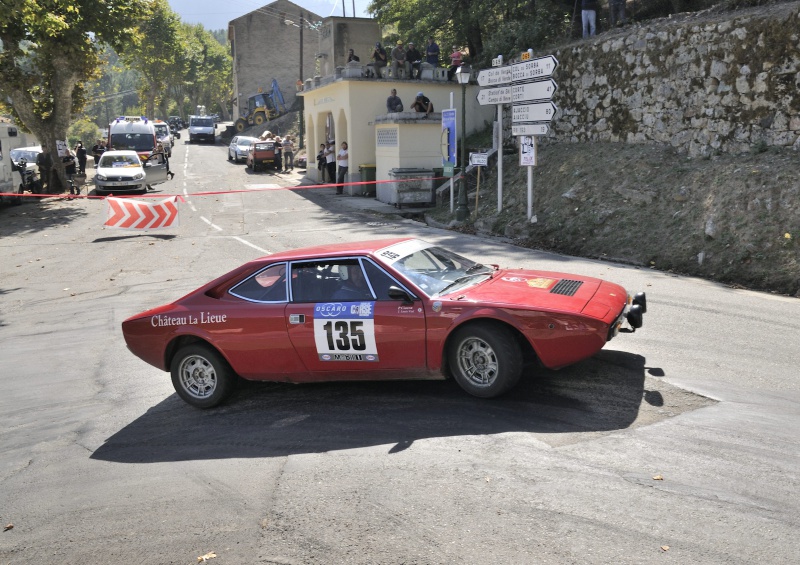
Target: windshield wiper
[459,280]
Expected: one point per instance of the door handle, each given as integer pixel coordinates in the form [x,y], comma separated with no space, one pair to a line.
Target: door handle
[297,318]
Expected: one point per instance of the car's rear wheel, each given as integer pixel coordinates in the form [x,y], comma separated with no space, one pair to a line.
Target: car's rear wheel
[229,156]
[485,359]
[201,376]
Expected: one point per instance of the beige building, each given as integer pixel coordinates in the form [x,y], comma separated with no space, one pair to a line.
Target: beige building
[354,110]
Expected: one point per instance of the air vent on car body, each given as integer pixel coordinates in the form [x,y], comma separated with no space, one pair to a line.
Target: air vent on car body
[566,287]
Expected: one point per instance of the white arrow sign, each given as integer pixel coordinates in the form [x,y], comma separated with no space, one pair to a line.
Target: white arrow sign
[535,68]
[541,112]
[499,95]
[529,129]
[497,75]
[479,159]
[526,92]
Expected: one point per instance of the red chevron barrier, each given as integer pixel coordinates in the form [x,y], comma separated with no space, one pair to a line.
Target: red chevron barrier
[127,214]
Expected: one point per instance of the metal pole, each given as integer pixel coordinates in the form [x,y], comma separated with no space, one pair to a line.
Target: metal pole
[302,100]
[499,157]
[462,210]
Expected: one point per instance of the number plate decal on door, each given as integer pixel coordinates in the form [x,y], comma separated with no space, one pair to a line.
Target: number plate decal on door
[345,331]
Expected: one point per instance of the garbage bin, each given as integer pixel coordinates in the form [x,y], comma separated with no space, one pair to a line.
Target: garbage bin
[367,176]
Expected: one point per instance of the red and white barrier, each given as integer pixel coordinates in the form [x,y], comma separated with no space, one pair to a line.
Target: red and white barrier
[127,214]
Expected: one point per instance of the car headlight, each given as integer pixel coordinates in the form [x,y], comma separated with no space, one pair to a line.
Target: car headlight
[138,176]
[98,176]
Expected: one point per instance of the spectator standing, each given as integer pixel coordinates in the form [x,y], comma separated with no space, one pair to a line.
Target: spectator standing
[589,17]
[278,148]
[422,104]
[330,160]
[455,62]
[393,103]
[80,153]
[432,53]
[97,151]
[342,160]
[378,60]
[44,161]
[399,60]
[70,170]
[414,58]
[321,162]
[288,153]
[351,57]
[617,12]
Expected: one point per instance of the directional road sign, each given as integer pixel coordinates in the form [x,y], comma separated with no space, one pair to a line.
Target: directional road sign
[540,112]
[529,129]
[529,91]
[479,159]
[499,95]
[493,76]
[541,67]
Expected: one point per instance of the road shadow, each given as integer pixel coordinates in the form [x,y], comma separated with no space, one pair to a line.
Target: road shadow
[37,214]
[273,420]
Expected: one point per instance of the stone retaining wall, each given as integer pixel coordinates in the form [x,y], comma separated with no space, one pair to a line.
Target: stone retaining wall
[704,83]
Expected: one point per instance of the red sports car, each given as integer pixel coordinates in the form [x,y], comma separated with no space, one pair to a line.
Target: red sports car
[390,309]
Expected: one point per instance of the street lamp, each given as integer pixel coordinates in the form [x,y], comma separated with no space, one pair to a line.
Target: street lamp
[462,210]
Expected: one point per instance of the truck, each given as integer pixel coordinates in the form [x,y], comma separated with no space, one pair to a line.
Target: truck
[10,176]
[262,107]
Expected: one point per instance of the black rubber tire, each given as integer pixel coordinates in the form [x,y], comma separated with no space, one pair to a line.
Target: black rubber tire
[201,376]
[259,119]
[241,125]
[485,359]
[229,156]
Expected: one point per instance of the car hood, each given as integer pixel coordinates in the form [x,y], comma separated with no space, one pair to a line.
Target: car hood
[544,290]
[129,172]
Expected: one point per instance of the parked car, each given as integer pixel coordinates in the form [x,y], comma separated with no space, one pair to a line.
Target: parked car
[240,147]
[165,136]
[123,171]
[27,153]
[389,309]
[262,155]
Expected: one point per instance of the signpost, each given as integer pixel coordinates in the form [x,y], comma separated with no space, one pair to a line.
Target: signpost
[529,129]
[541,67]
[494,76]
[538,112]
[499,95]
[478,159]
[530,83]
[528,91]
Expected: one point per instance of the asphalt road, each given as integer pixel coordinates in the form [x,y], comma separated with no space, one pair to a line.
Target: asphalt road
[676,444]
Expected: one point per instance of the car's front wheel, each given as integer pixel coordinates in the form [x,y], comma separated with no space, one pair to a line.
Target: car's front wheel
[201,376]
[485,359]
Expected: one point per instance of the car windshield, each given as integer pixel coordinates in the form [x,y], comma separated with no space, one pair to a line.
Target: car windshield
[132,141]
[203,122]
[162,130]
[29,156]
[435,270]
[120,161]
[245,142]
[265,146]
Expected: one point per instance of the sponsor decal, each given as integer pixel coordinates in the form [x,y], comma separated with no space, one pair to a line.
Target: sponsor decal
[160,321]
[541,282]
[437,306]
[348,357]
[514,279]
[405,309]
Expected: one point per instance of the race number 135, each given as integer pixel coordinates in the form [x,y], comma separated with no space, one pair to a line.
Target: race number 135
[345,336]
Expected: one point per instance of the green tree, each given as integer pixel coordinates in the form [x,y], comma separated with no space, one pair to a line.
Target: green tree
[157,48]
[209,77]
[49,49]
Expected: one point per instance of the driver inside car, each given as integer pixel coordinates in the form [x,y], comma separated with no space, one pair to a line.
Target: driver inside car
[353,284]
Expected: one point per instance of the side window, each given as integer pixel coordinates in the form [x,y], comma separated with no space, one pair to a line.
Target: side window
[380,281]
[268,285]
[331,280]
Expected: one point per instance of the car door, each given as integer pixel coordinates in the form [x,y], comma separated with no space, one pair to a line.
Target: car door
[155,169]
[354,337]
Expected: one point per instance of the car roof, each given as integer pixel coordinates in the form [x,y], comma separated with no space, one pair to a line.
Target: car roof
[31,148]
[334,250]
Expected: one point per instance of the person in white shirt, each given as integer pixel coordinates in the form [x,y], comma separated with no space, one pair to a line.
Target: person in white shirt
[342,161]
[330,160]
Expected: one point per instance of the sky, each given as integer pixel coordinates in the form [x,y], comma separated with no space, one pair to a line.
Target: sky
[215,14]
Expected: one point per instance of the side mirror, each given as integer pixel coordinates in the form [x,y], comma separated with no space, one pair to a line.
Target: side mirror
[396,293]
